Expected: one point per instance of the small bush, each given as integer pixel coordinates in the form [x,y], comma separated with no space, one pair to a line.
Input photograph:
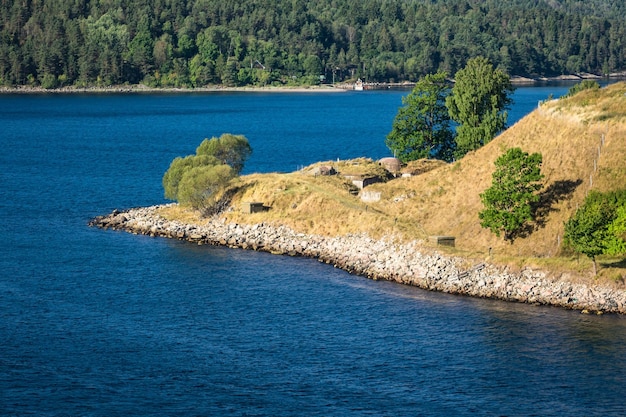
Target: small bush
[581,86]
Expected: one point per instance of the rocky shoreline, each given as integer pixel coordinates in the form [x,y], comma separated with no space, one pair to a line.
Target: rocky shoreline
[140,88]
[337,87]
[378,259]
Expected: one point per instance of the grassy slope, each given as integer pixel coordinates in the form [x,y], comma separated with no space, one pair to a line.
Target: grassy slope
[445,200]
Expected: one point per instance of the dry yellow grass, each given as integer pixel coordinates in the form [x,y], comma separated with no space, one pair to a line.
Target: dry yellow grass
[311,204]
[446,200]
[182,214]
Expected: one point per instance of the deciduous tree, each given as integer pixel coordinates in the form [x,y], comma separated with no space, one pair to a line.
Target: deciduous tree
[199,185]
[478,104]
[617,230]
[229,149]
[195,179]
[421,129]
[508,201]
[597,227]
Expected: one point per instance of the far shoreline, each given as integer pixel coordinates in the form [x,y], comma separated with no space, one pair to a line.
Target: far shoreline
[323,88]
[140,88]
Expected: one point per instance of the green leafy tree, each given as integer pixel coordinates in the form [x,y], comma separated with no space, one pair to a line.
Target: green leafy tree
[107,39]
[229,72]
[508,202]
[617,231]
[229,149]
[186,46]
[478,104]
[421,129]
[181,166]
[200,73]
[195,179]
[312,66]
[597,227]
[200,184]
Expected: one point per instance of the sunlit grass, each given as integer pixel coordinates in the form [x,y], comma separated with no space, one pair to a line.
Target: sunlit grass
[444,199]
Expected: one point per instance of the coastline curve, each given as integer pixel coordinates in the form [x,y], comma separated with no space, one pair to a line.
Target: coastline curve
[377,259]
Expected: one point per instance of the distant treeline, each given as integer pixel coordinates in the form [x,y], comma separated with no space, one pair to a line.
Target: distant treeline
[180,43]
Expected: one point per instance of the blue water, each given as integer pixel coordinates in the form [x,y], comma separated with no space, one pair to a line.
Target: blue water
[103,323]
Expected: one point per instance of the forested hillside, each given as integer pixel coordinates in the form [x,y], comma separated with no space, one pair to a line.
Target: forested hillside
[192,43]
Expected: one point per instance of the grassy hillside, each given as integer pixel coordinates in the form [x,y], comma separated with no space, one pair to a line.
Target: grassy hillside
[445,200]
[568,133]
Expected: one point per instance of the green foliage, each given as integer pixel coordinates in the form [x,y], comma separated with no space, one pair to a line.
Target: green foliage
[617,232]
[477,103]
[48,81]
[508,202]
[198,186]
[599,226]
[195,179]
[377,40]
[583,85]
[232,150]
[181,166]
[421,129]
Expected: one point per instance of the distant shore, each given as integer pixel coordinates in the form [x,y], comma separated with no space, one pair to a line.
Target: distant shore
[382,259]
[323,88]
[518,80]
[140,88]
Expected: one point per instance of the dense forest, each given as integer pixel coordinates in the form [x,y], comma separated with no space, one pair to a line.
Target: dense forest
[193,43]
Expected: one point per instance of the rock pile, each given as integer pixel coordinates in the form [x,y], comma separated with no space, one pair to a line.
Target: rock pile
[378,259]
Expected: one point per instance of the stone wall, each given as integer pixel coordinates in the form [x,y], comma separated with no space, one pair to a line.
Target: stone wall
[379,259]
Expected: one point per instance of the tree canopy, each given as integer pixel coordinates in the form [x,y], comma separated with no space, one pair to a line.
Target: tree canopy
[598,227]
[193,43]
[478,104]
[421,129]
[195,179]
[228,149]
[508,202]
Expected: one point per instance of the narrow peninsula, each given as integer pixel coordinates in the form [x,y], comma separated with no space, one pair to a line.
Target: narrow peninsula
[385,222]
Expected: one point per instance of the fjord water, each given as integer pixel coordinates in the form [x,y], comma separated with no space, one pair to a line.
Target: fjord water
[103,323]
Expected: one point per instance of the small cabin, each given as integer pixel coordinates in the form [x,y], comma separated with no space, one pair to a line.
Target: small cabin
[249,207]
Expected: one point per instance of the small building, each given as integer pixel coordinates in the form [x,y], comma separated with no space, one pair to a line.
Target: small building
[442,240]
[249,207]
[392,165]
[323,170]
[364,182]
